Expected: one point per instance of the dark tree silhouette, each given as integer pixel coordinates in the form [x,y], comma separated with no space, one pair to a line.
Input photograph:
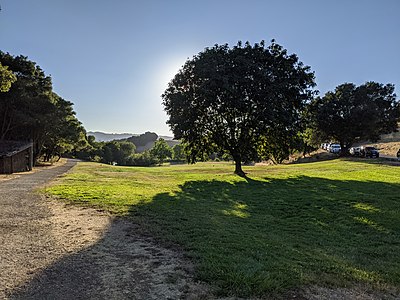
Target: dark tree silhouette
[244,100]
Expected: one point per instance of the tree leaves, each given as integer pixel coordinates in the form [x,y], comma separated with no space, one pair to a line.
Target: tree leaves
[7,78]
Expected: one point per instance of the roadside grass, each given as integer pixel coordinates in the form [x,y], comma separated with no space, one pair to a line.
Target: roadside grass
[332,223]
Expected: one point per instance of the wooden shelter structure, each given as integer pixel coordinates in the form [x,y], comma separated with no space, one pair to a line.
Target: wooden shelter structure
[15,156]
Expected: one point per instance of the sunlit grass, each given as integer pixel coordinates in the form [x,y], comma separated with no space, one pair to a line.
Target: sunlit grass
[327,223]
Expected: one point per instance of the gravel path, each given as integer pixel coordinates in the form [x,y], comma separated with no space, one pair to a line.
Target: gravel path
[52,251]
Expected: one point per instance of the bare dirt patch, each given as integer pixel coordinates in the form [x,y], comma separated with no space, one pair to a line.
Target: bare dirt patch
[96,256]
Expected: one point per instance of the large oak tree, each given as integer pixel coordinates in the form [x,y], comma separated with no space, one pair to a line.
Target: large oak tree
[245,100]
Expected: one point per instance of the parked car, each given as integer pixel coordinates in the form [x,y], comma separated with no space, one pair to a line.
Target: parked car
[398,155]
[334,148]
[356,151]
[369,152]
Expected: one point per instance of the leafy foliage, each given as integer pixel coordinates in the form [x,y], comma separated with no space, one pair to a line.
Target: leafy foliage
[238,99]
[7,78]
[66,132]
[118,152]
[178,152]
[161,150]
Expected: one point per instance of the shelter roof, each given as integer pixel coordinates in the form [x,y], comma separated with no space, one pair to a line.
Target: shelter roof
[10,148]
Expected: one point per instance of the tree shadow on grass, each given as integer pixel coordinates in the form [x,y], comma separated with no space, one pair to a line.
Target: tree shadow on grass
[261,236]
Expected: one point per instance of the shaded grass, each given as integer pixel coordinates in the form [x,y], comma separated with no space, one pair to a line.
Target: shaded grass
[333,223]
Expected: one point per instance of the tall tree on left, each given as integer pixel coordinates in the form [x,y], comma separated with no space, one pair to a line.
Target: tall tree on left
[22,107]
[28,108]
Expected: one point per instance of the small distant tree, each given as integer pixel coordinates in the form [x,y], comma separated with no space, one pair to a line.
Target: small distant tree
[178,152]
[117,151]
[91,140]
[107,154]
[352,113]
[125,151]
[161,150]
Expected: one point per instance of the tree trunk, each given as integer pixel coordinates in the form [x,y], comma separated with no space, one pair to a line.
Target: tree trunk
[238,166]
[344,150]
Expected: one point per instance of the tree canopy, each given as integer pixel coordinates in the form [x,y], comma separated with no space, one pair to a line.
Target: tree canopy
[30,110]
[352,113]
[245,100]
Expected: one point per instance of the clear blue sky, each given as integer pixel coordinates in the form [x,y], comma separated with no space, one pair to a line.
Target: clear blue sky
[113,59]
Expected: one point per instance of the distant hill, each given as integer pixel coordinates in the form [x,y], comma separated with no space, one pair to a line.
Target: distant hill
[106,137]
[142,141]
[146,141]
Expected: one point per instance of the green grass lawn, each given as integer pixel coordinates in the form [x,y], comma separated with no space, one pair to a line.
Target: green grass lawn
[332,223]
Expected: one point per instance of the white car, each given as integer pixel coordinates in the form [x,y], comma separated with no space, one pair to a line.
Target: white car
[356,151]
[335,148]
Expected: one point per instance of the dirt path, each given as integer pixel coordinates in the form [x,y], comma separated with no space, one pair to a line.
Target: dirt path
[52,251]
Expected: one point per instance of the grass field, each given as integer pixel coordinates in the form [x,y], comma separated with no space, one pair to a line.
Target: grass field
[332,223]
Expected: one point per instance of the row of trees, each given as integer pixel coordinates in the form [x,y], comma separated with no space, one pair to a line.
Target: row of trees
[123,153]
[30,110]
[257,102]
